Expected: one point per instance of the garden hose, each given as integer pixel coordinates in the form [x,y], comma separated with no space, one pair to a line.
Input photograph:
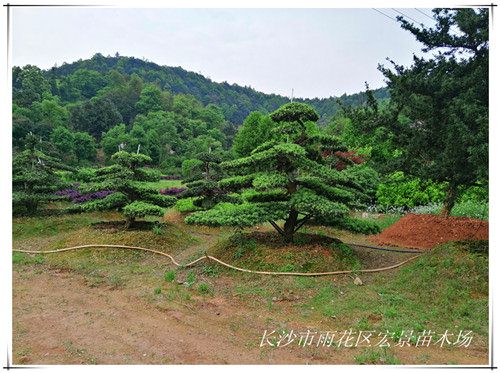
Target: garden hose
[209,257]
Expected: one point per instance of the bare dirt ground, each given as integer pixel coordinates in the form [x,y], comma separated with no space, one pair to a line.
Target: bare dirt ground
[65,313]
[424,231]
[59,319]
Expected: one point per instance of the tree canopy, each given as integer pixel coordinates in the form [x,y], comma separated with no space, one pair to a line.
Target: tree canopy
[34,177]
[446,99]
[127,178]
[291,178]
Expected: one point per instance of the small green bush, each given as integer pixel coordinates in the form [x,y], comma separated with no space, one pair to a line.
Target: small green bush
[186,205]
[204,288]
[170,276]
[139,209]
[191,279]
[400,190]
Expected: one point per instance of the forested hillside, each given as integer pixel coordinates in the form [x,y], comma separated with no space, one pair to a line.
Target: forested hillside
[235,101]
[87,110]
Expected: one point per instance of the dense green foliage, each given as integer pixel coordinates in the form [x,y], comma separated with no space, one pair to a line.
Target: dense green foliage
[73,81]
[127,178]
[446,98]
[123,103]
[435,126]
[291,177]
[399,190]
[243,161]
[34,178]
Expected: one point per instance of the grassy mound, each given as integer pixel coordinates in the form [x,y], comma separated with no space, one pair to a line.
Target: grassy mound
[444,288]
[266,251]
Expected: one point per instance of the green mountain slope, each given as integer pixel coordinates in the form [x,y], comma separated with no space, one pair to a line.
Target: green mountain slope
[236,101]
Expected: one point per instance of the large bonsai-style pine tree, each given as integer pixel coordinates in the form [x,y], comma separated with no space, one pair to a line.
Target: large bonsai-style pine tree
[127,177]
[34,177]
[291,177]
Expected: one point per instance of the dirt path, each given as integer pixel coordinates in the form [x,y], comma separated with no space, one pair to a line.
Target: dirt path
[58,319]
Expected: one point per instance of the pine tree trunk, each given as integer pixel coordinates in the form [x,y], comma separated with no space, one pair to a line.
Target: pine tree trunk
[290,224]
[129,222]
[449,200]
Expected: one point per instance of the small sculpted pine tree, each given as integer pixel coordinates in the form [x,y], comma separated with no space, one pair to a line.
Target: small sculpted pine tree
[203,182]
[127,177]
[291,178]
[34,178]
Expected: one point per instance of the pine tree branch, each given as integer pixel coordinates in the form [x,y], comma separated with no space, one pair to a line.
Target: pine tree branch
[301,222]
[276,226]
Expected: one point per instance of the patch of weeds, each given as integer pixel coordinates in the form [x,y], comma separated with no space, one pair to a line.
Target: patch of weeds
[211,271]
[347,256]
[22,258]
[116,281]
[79,352]
[302,239]
[364,324]
[376,356]
[328,310]
[190,279]
[95,279]
[303,282]
[243,245]
[286,268]
[249,289]
[23,352]
[170,276]
[157,229]
[205,289]
[157,291]
[478,247]
[390,312]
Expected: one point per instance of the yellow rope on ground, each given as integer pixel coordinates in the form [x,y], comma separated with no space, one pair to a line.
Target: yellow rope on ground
[215,260]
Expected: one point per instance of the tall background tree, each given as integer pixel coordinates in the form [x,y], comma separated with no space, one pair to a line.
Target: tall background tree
[446,99]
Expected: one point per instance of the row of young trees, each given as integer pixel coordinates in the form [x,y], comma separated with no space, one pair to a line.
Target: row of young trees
[36,179]
[293,176]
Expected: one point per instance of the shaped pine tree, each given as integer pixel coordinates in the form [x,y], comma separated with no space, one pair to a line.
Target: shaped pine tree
[34,178]
[204,183]
[127,177]
[293,178]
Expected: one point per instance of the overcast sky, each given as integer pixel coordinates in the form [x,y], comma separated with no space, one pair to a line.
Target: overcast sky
[317,52]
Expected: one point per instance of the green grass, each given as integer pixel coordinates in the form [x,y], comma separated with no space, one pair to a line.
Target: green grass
[170,276]
[28,227]
[376,356]
[21,258]
[164,184]
[446,288]
[205,289]
[467,209]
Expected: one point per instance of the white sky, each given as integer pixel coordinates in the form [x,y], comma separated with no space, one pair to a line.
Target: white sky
[318,52]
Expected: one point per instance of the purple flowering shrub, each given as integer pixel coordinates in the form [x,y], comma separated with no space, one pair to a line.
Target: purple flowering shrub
[77,197]
[93,196]
[173,191]
[68,193]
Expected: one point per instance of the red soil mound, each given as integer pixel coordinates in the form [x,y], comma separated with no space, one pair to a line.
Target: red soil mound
[427,231]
